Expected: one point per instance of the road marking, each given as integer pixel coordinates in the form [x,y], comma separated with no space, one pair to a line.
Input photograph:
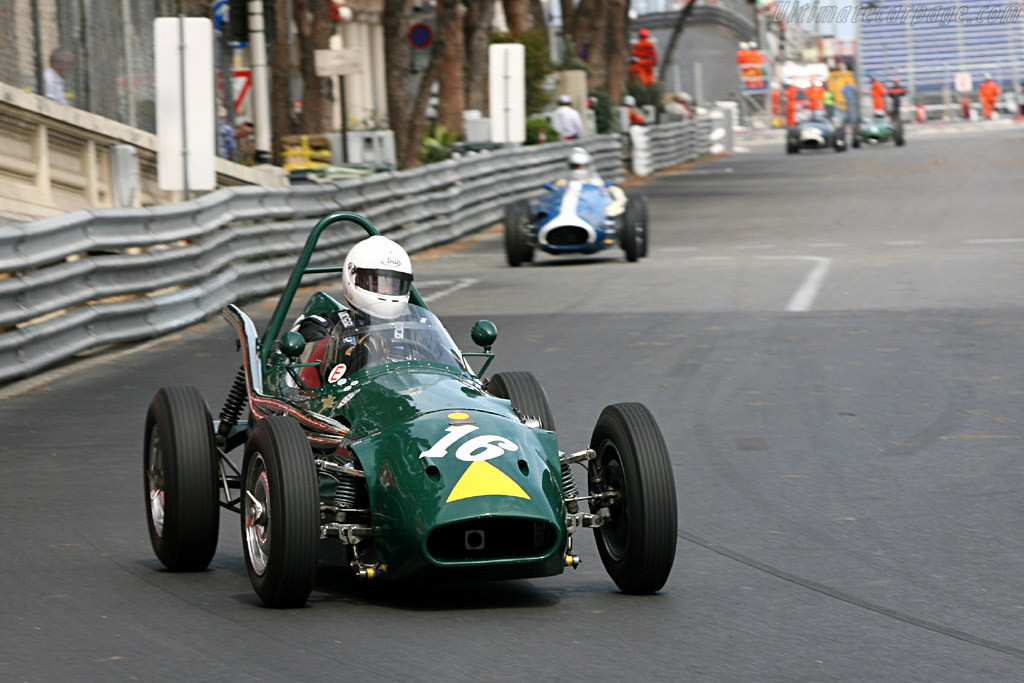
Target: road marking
[997,240]
[803,298]
[827,244]
[903,243]
[453,286]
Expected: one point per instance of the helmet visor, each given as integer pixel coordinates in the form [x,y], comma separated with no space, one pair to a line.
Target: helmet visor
[386,282]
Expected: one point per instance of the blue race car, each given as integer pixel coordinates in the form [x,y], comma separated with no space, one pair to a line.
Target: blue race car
[576,217]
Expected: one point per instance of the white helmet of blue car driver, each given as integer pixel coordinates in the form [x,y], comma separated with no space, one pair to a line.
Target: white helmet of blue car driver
[579,158]
[377,277]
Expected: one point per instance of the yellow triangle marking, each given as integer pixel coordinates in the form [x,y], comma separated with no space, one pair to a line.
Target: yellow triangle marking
[484,479]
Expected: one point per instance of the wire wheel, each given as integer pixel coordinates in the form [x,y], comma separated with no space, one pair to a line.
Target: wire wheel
[180,479]
[280,516]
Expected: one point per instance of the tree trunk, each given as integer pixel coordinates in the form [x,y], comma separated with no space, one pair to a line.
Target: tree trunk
[597,59]
[567,22]
[516,16]
[539,22]
[618,47]
[451,94]
[280,77]
[417,117]
[479,16]
[396,65]
[677,30]
[314,33]
[583,20]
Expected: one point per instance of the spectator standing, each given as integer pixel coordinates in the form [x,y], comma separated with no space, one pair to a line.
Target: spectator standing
[878,97]
[989,92]
[246,143]
[646,57]
[566,120]
[896,93]
[227,139]
[62,63]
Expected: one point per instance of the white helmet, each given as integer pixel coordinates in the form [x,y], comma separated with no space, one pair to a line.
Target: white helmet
[564,99]
[579,157]
[629,101]
[377,277]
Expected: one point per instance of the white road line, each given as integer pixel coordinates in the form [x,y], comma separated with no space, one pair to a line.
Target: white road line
[803,298]
[903,243]
[453,286]
[997,240]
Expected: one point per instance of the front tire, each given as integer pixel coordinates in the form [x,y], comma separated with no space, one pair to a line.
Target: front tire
[280,512]
[897,135]
[526,393]
[517,224]
[180,464]
[637,542]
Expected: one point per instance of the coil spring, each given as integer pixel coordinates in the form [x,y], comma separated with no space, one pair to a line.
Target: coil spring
[346,494]
[232,409]
[569,482]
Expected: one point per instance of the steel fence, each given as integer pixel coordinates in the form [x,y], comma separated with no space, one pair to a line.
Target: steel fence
[88,278]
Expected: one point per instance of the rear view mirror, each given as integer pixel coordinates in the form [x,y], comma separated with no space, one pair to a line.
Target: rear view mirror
[484,333]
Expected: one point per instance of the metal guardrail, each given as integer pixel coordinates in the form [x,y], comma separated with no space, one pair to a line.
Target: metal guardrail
[669,144]
[93,277]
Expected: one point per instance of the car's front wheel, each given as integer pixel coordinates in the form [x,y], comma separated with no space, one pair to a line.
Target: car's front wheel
[517,227]
[631,479]
[633,230]
[280,512]
[180,462]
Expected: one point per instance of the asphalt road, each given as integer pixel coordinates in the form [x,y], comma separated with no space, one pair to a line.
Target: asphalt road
[831,344]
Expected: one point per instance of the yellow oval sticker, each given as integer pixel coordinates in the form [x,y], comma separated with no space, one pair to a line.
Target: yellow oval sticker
[458,416]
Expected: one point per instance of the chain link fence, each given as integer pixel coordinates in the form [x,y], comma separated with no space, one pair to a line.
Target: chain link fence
[102,49]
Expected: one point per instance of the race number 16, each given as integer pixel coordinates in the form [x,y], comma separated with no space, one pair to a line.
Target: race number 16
[483,447]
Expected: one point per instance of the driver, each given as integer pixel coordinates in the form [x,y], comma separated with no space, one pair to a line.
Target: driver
[375,284]
[581,170]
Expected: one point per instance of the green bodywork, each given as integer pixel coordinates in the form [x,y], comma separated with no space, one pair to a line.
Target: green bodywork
[388,416]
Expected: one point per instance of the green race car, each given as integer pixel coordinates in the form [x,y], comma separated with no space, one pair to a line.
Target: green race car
[874,131]
[396,460]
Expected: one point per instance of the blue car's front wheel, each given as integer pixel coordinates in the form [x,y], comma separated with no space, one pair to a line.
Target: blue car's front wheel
[517,226]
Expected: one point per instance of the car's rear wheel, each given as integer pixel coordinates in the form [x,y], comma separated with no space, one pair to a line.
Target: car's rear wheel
[526,393]
[856,135]
[897,135]
[280,512]
[180,460]
[517,225]
[637,541]
[631,238]
[645,235]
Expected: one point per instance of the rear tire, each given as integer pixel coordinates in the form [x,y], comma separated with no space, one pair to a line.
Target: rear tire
[637,542]
[526,393]
[632,228]
[180,467]
[280,512]
[517,224]
[856,135]
[897,135]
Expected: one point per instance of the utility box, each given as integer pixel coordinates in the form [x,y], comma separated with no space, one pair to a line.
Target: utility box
[376,147]
[124,176]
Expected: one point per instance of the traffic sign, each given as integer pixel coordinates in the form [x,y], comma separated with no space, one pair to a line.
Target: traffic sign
[221,14]
[337,62]
[421,36]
